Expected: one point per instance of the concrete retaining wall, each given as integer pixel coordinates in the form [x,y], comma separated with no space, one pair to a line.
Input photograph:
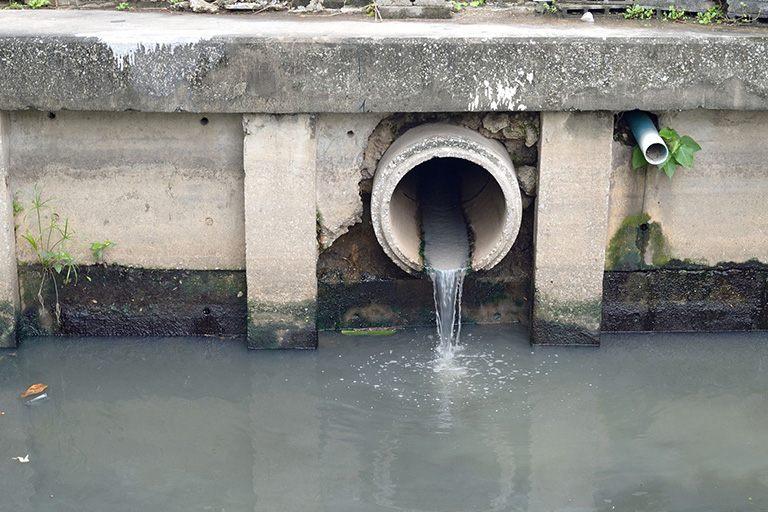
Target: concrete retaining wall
[250,216]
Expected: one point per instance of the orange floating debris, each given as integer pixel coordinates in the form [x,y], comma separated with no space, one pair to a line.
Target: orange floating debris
[34,389]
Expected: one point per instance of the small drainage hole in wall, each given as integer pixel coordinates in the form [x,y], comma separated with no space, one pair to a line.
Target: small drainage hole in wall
[204,121]
[350,134]
[51,115]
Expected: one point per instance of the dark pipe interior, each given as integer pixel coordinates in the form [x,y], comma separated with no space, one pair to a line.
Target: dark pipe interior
[458,191]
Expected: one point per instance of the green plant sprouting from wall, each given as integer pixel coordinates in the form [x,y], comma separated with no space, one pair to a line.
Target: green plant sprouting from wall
[459,5]
[714,14]
[674,14]
[49,240]
[636,12]
[681,150]
[98,248]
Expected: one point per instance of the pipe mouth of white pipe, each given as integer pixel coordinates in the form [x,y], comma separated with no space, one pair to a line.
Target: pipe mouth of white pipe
[647,136]
[656,153]
[485,193]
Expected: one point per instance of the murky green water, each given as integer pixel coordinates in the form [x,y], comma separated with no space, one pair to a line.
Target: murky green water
[646,423]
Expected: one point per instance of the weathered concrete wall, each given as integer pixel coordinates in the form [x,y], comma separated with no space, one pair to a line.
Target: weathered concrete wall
[715,212]
[711,214]
[9,286]
[280,226]
[571,221]
[689,253]
[359,286]
[167,189]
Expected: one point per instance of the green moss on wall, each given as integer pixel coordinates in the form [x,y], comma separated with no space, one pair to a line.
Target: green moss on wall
[7,324]
[280,325]
[638,244]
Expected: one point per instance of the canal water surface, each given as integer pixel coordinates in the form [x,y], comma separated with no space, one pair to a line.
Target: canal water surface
[651,423]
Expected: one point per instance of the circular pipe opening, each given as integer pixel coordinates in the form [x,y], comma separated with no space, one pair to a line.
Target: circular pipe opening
[656,153]
[479,186]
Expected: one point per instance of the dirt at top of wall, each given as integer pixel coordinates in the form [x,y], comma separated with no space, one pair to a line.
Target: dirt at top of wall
[694,12]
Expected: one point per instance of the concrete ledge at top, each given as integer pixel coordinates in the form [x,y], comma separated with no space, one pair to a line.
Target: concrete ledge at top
[162,62]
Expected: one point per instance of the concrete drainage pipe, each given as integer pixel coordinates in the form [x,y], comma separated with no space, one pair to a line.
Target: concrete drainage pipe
[489,193]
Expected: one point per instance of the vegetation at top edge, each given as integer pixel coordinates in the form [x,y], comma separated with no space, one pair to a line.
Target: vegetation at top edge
[674,14]
[551,8]
[32,4]
[637,12]
[681,150]
[714,14]
[459,5]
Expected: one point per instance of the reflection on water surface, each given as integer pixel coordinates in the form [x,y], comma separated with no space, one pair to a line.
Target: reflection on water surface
[646,423]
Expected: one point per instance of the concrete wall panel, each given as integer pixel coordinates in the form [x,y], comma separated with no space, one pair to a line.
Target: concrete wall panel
[715,212]
[166,188]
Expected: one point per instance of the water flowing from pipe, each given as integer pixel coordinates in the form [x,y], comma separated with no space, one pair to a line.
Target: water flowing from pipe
[447,289]
[446,251]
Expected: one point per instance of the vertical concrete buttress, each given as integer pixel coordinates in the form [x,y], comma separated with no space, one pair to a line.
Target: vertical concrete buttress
[571,227]
[280,230]
[9,281]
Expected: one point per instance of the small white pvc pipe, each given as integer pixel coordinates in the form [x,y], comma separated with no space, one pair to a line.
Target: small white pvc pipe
[652,145]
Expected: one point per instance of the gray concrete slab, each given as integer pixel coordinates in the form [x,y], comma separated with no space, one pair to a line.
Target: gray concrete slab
[9,282]
[167,62]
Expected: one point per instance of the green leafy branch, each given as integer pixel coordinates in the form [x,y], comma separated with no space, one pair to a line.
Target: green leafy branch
[681,150]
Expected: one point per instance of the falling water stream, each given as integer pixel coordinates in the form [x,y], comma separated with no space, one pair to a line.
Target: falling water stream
[446,252]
